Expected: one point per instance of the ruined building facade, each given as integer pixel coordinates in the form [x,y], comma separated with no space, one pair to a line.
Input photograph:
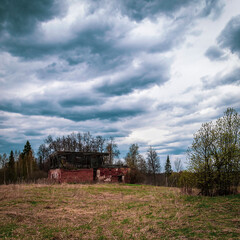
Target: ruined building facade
[79,167]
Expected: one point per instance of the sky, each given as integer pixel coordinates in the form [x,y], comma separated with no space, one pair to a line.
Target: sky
[146,72]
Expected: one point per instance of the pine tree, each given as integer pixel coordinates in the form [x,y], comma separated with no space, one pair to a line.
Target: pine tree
[11,168]
[27,148]
[168,169]
[27,161]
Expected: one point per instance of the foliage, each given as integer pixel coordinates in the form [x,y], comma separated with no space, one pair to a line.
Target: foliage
[178,165]
[187,181]
[153,163]
[27,149]
[19,166]
[168,168]
[3,161]
[215,155]
[11,168]
[112,149]
[80,142]
[142,165]
[137,164]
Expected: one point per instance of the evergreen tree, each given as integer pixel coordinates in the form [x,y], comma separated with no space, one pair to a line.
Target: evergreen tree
[27,148]
[11,168]
[168,169]
[27,162]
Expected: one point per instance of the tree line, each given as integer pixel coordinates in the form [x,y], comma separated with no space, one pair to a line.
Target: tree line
[214,158]
[19,166]
[23,165]
[78,142]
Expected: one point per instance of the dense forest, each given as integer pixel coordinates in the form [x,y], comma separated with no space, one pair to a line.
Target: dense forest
[214,159]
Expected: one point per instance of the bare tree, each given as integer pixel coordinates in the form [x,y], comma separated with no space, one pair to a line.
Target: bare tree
[112,149]
[178,165]
[100,141]
[153,163]
[135,161]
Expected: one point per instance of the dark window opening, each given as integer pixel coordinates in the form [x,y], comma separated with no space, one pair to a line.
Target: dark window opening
[119,178]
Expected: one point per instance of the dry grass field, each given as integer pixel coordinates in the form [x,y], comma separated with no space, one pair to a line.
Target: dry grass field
[112,211]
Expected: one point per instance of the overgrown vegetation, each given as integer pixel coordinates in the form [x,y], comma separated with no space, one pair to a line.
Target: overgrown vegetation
[80,142]
[215,155]
[110,211]
[214,159]
[21,166]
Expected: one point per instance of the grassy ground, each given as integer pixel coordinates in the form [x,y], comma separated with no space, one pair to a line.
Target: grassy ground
[114,211]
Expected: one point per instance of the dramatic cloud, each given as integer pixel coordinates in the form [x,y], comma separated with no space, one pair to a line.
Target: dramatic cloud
[138,71]
[22,17]
[231,78]
[140,9]
[230,36]
[141,74]
[215,54]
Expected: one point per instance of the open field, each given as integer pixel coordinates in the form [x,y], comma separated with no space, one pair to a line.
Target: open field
[114,211]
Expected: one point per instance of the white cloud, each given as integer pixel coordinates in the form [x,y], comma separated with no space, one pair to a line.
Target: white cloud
[98,68]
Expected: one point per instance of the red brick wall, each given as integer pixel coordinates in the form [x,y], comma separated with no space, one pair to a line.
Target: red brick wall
[54,174]
[71,176]
[112,174]
[86,175]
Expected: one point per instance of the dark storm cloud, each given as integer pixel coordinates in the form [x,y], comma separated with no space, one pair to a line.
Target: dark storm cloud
[109,131]
[32,133]
[148,74]
[230,36]
[99,47]
[20,17]
[110,114]
[52,109]
[215,54]
[230,78]
[140,9]
[19,23]
[51,70]
[79,101]
[91,40]
[37,107]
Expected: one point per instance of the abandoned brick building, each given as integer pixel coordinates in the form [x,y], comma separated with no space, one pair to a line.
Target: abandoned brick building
[77,167]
